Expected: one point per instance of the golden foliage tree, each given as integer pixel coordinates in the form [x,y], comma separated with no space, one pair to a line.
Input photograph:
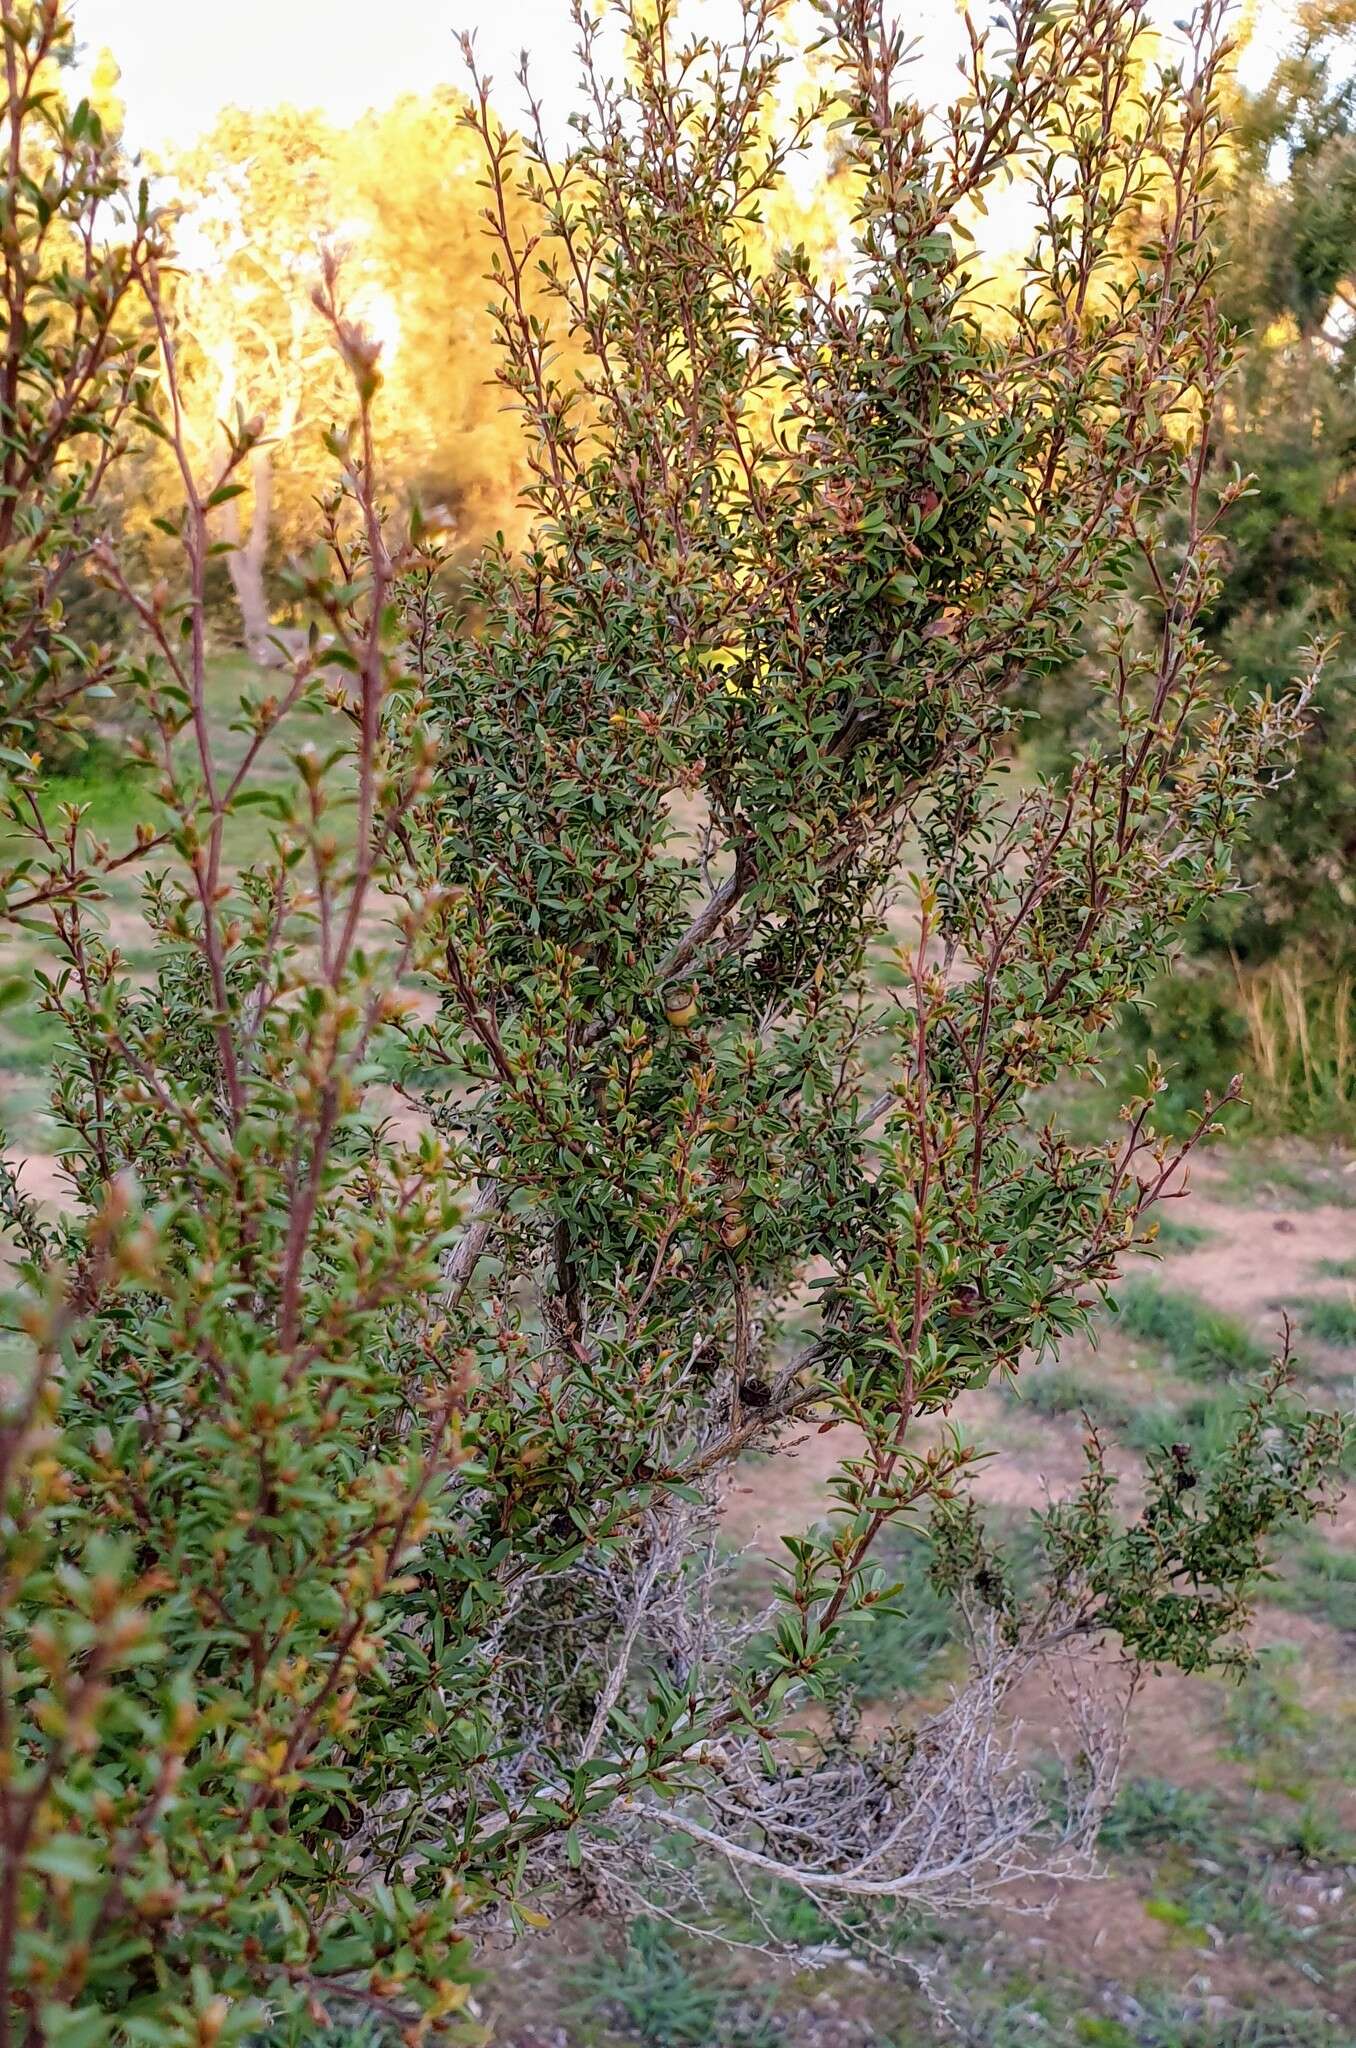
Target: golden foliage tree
[264,198]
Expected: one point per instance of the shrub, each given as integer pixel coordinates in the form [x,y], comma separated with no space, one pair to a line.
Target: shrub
[359,1489]
[75,373]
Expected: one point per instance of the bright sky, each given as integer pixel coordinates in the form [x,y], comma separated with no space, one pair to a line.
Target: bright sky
[183,60]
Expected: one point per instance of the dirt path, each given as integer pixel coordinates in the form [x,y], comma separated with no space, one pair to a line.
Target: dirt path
[1258,1262]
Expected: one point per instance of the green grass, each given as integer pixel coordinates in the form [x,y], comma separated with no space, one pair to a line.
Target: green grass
[894,1649]
[1150,1813]
[650,1992]
[1319,1579]
[1201,1343]
[1304,1183]
[1336,1269]
[1213,1854]
[28,1036]
[1223,1866]
[1012,2016]
[1170,2022]
[1264,1710]
[104,780]
[117,792]
[1205,1421]
[26,1121]
[1332,1322]
[1175,1236]
[1060,1391]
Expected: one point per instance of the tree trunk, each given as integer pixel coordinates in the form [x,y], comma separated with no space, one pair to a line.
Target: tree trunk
[246,563]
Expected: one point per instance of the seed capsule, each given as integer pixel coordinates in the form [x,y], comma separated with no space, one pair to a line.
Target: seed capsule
[680,1006]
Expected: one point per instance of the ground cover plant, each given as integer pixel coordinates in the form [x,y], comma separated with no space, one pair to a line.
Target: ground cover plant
[359,1471]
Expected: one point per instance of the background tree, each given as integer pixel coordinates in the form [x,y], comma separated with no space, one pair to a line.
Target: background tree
[262,198]
[1269,982]
[444,428]
[1289,260]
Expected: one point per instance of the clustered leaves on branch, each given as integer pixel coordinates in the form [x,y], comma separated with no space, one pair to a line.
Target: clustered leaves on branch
[75,374]
[360,1578]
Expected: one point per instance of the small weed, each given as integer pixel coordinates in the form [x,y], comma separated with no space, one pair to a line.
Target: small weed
[1060,1391]
[1151,1813]
[1206,1423]
[1264,1710]
[1203,1343]
[1174,1236]
[792,1917]
[1319,1579]
[1336,1269]
[893,1648]
[1155,1427]
[651,1993]
[1332,1322]
[1171,1913]
[1307,1833]
[1237,1903]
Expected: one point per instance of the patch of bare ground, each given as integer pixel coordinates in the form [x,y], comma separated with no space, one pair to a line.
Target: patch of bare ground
[1339,1525]
[1027,1463]
[1256,1262]
[402,1120]
[1099,1934]
[1104,1929]
[1100,1920]
[124,925]
[1031,1461]
[767,1499]
[42,1175]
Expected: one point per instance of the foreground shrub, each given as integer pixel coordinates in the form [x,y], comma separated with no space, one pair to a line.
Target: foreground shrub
[360,1480]
[75,367]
